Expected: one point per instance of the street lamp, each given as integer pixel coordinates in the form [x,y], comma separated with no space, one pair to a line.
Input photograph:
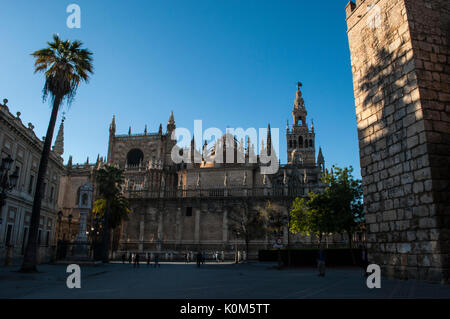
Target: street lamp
[236,254]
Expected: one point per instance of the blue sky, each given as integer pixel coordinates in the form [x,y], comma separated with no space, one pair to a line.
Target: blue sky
[229,63]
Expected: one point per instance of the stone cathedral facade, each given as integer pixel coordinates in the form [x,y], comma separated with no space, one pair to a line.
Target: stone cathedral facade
[178,207]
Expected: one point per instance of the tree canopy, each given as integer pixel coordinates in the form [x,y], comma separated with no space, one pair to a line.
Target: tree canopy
[337,209]
[119,210]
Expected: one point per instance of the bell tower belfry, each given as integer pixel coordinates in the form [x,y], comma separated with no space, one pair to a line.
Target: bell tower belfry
[300,139]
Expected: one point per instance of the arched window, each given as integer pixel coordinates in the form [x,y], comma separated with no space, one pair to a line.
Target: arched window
[290,143]
[310,143]
[300,141]
[134,157]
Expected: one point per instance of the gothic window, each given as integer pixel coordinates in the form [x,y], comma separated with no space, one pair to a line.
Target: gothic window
[300,142]
[295,143]
[134,157]
[310,143]
[290,143]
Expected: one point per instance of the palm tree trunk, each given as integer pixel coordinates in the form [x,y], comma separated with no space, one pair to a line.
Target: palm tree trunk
[30,257]
[106,236]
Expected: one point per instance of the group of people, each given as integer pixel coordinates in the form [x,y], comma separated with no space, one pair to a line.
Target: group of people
[134,258]
[201,257]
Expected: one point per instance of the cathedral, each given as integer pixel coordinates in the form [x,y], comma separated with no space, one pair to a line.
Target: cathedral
[185,206]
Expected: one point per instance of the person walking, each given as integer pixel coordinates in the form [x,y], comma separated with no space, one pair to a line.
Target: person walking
[148,259]
[157,261]
[199,259]
[203,257]
[136,260]
[321,263]
[130,258]
[124,257]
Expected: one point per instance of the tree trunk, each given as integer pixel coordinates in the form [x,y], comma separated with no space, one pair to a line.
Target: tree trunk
[106,236]
[30,257]
[320,240]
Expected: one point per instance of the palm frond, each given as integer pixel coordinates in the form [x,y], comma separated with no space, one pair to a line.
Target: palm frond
[65,65]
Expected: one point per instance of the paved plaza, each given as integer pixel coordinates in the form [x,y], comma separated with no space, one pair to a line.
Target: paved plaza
[223,280]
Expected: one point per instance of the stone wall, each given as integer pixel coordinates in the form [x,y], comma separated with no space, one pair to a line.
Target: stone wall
[207,228]
[400,56]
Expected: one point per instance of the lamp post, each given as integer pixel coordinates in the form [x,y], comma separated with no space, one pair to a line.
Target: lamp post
[236,253]
[7,183]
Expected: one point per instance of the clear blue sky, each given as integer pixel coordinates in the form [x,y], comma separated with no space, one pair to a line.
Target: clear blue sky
[228,63]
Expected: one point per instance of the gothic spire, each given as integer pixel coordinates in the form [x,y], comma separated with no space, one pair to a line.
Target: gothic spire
[171,124]
[171,118]
[112,127]
[320,158]
[69,163]
[58,148]
[269,141]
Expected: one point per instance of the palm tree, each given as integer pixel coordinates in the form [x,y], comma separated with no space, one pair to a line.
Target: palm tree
[119,210]
[65,65]
[109,181]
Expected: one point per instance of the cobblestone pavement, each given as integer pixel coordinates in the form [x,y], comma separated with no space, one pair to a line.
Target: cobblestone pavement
[211,281]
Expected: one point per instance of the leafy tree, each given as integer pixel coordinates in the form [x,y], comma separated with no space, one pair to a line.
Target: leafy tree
[65,65]
[109,182]
[344,195]
[312,216]
[246,224]
[338,209]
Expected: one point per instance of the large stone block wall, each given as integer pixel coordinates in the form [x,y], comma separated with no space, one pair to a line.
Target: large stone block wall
[400,56]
